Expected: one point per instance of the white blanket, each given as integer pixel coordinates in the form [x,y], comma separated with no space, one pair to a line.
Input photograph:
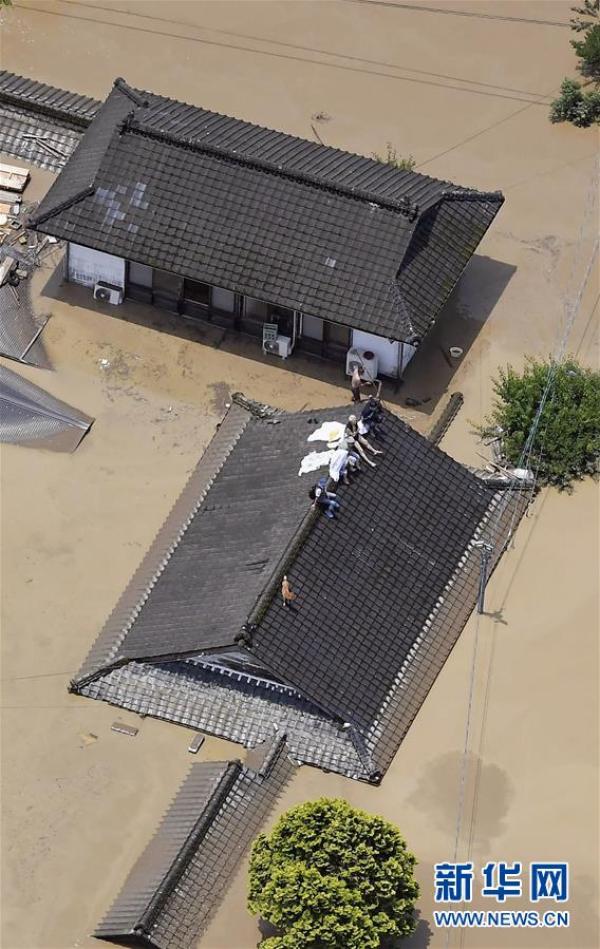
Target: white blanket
[315,460]
[327,432]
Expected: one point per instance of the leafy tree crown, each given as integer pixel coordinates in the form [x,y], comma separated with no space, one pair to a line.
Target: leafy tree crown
[566,445]
[330,876]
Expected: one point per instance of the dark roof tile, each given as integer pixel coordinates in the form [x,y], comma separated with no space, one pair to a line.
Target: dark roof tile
[259,212]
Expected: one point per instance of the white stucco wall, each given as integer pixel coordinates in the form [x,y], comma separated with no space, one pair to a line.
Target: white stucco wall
[87,267]
[388,351]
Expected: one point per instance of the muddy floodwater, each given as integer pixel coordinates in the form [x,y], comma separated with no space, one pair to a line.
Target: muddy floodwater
[464,88]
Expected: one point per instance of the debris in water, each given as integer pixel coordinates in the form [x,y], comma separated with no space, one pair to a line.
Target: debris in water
[124,729]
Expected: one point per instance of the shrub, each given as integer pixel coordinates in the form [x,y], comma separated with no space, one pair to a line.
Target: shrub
[331,876]
[567,442]
[396,161]
[574,105]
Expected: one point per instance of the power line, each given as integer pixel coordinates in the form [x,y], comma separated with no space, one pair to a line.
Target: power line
[571,310]
[41,675]
[285,56]
[305,49]
[470,138]
[480,16]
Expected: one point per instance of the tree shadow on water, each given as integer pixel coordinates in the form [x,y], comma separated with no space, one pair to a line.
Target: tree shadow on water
[488,793]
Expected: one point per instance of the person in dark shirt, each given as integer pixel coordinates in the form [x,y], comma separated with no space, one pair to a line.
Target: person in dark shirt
[323,499]
[371,418]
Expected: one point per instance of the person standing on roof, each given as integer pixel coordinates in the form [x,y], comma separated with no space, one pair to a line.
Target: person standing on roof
[357,382]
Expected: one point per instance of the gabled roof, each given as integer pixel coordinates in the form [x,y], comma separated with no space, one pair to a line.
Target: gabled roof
[177,883]
[372,589]
[269,215]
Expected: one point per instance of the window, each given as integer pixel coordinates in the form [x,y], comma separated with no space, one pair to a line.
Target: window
[196,292]
[336,334]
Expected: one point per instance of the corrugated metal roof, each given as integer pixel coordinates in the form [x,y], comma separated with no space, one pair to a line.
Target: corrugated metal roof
[31,416]
[20,329]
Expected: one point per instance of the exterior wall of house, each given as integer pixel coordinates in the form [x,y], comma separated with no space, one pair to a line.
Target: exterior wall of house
[393,357]
[87,267]
[224,307]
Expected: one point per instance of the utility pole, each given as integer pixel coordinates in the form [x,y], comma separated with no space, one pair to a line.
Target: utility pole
[485,550]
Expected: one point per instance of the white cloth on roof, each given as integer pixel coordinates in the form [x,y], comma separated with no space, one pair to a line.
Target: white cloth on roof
[327,432]
[315,460]
[337,463]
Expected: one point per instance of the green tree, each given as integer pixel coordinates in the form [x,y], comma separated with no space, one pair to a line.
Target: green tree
[330,876]
[566,445]
[576,106]
[573,104]
[589,12]
[588,51]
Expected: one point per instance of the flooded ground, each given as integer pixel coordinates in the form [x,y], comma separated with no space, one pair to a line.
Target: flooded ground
[464,87]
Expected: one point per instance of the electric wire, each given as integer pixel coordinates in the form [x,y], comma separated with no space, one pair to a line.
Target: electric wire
[571,307]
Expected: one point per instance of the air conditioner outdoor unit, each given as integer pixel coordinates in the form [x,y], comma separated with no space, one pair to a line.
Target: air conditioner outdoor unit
[365,359]
[280,346]
[108,292]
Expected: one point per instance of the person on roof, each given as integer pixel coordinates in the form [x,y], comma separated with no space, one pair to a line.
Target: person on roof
[323,499]
[350,443]
[357,430]
[371,418]
[357,382]
[343,462]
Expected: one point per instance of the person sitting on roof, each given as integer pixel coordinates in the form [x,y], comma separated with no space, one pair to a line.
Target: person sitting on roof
[343,462]
[357,430]
[351,444]
[325,500]
[371,418]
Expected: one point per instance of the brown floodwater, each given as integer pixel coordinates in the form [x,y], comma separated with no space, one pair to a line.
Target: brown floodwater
[464,88]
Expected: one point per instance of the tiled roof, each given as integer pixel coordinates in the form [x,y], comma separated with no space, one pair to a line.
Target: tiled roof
[47,100]
[373,590]
[174,888]
[367,583]
[272,216]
